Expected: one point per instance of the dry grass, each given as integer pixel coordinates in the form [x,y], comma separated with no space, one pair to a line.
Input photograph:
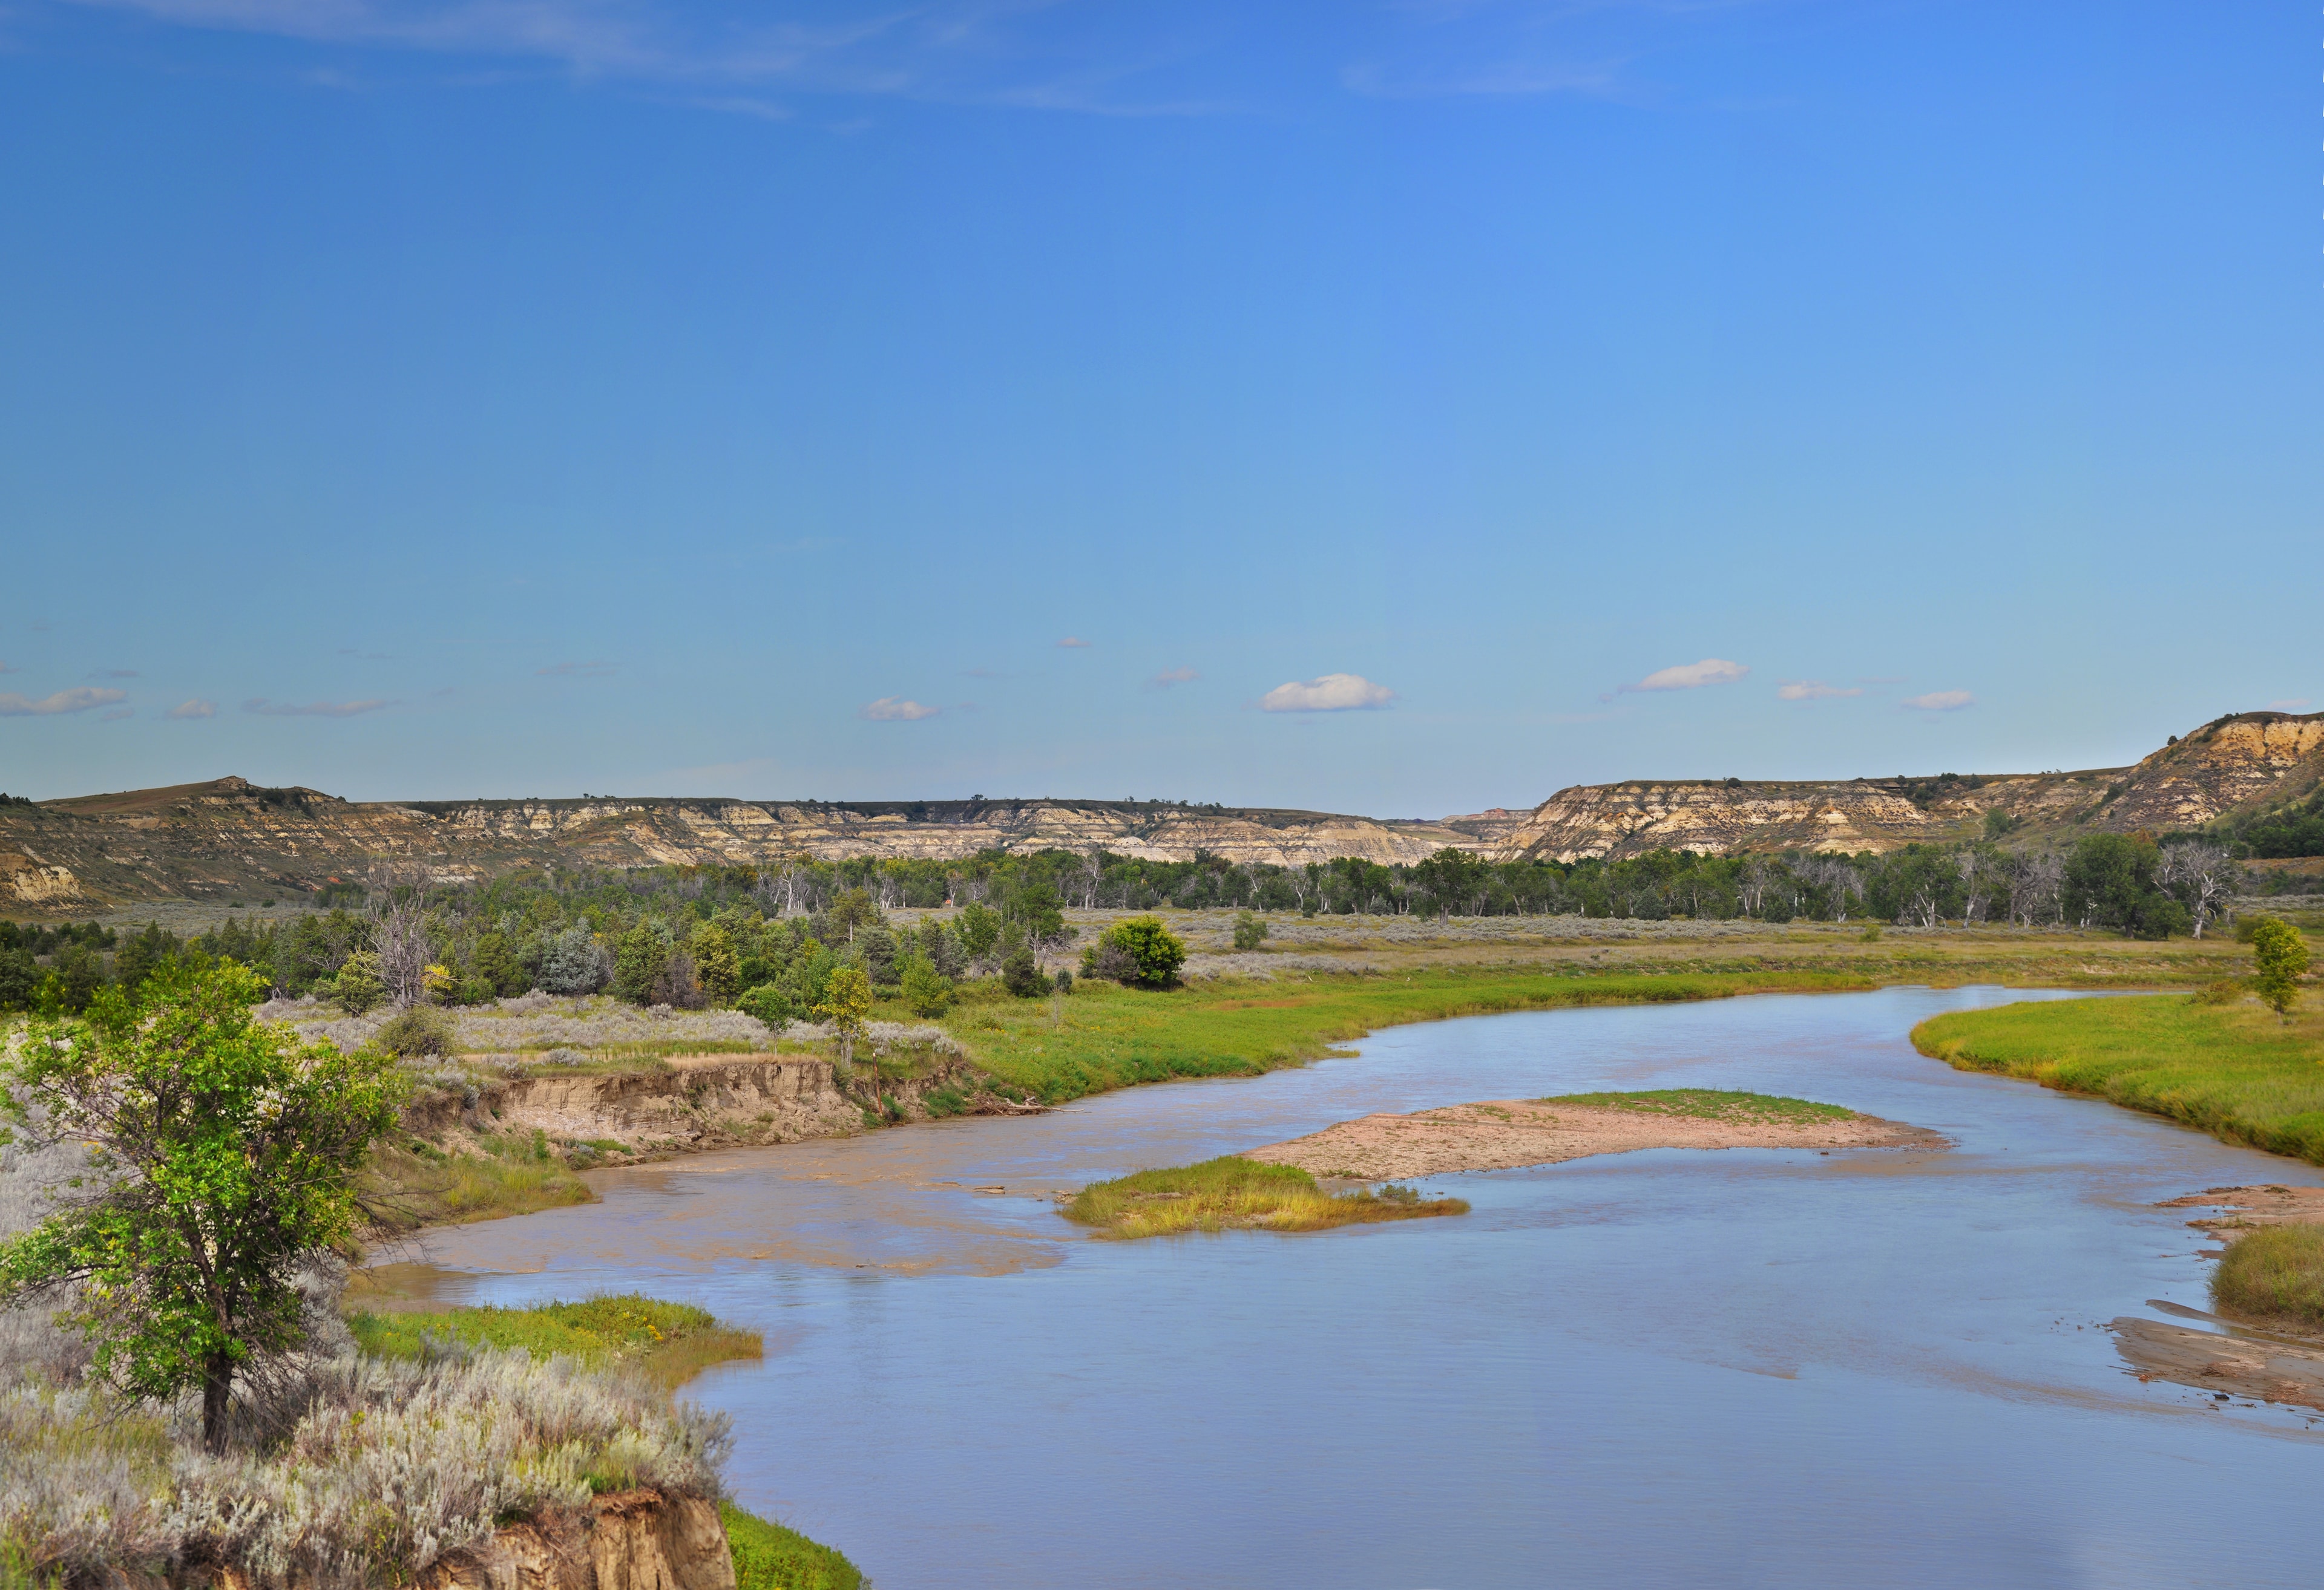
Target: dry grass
[2274,1274]
[407,1185]
[1234,1193]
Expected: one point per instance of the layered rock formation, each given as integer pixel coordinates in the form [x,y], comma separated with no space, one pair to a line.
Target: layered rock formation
[230,839]
[2247,760]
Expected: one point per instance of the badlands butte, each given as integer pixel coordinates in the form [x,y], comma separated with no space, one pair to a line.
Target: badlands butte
[229,839]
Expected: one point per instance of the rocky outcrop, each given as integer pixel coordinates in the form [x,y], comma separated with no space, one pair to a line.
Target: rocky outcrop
[631,1540]
[2241,761]
[27,881]
[230,839]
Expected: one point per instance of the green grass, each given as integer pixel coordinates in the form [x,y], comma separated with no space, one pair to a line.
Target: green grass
[2275,1273]
[1236,1194]
[2234,1071]
[1112,1038]
[1709,1104]
[769,1557]
[409,1185]
[667,1343]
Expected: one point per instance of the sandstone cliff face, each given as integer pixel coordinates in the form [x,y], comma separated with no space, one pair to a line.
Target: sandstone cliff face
[632,1540]
[2251,759]
[230,839]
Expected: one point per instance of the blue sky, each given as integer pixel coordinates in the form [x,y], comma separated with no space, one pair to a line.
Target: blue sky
[440,398]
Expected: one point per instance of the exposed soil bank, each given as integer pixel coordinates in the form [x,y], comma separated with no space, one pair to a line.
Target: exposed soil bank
[2271,1364]
[1503,1134]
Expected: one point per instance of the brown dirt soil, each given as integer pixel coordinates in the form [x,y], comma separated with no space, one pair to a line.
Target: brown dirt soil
[1502,1134]
[2271,1364]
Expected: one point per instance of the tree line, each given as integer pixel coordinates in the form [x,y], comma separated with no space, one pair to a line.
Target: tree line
[692,935]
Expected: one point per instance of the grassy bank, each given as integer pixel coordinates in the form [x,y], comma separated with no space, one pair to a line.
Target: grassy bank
[2274,1274]
[667,1343]
[1710,1103]
[769,1557]
[2235,1070]
[1236,1194]
[409,1185]
[1103,1036]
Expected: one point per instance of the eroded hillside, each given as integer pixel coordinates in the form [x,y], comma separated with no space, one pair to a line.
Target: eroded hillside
[229,839]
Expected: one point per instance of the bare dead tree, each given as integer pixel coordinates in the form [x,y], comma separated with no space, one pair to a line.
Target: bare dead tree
[397,906]
[1759,873]
[2202,876]
[2035,878]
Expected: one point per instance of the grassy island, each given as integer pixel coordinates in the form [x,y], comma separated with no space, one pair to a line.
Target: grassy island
[1235,1193]
[1711,1104]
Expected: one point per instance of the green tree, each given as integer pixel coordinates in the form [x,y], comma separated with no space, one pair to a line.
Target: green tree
[640,960]
[851,912]
[978,928]
[141,954]
[2281,955]
[715,965]
[1451,878]
[2109,882]
[1249,930]
[1032,906]
[925,990]
[494,963]
[846,1002]
[768,1004]
[227,1154]
[1138,950]
[357,987]
[1020,972]
[20,976]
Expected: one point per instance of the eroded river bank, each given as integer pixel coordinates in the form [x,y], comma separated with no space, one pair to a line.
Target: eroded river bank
[1766,1367]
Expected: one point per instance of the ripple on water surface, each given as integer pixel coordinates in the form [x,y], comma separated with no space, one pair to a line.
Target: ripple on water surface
[1733,1368]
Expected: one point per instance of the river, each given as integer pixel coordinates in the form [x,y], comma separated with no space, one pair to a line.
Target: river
[1735,1368]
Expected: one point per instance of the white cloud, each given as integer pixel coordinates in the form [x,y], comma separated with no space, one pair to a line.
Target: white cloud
[1812,690]
[1169,677]
[2296,703]
[1940,701]
[195,708]
[1711,670]
[313,708]
[894,709]
[77,700]
[1073,643]
[1332,692]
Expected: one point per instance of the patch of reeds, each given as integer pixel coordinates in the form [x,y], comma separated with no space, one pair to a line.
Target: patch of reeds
[667,1343]
[2275,1273]
[1711,1104]
[1235,1193]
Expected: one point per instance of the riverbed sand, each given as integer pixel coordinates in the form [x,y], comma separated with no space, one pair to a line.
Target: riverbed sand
[1503,1134]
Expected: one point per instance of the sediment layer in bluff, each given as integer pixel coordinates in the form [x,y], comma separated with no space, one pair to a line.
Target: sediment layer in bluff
[2251,760]
[229,839]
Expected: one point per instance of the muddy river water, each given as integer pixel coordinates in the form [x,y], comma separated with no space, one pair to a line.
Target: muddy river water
[1741,1368]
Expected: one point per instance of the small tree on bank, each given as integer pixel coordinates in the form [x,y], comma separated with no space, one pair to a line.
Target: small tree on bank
[846,1002]
[227,1156]
[2281,956]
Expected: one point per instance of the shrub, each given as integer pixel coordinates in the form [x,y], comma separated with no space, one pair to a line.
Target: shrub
[1148,954]
[2277,1269]
[770,1004]
[927,991]
[1020,974]
[1249,930]
[2281,955]
[357,987]
[416,1030]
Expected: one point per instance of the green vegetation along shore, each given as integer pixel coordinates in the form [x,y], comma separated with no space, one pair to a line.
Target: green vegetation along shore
[2233,1069]
[1234,1193]
[1711,1104]
[2273,1275]
[668,1344]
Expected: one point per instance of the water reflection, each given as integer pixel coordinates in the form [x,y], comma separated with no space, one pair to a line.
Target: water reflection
[1736,1368]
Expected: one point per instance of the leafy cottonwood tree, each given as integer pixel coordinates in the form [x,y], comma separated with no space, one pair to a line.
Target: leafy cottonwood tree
[2281,955]
[227,1155]
[846,1001]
